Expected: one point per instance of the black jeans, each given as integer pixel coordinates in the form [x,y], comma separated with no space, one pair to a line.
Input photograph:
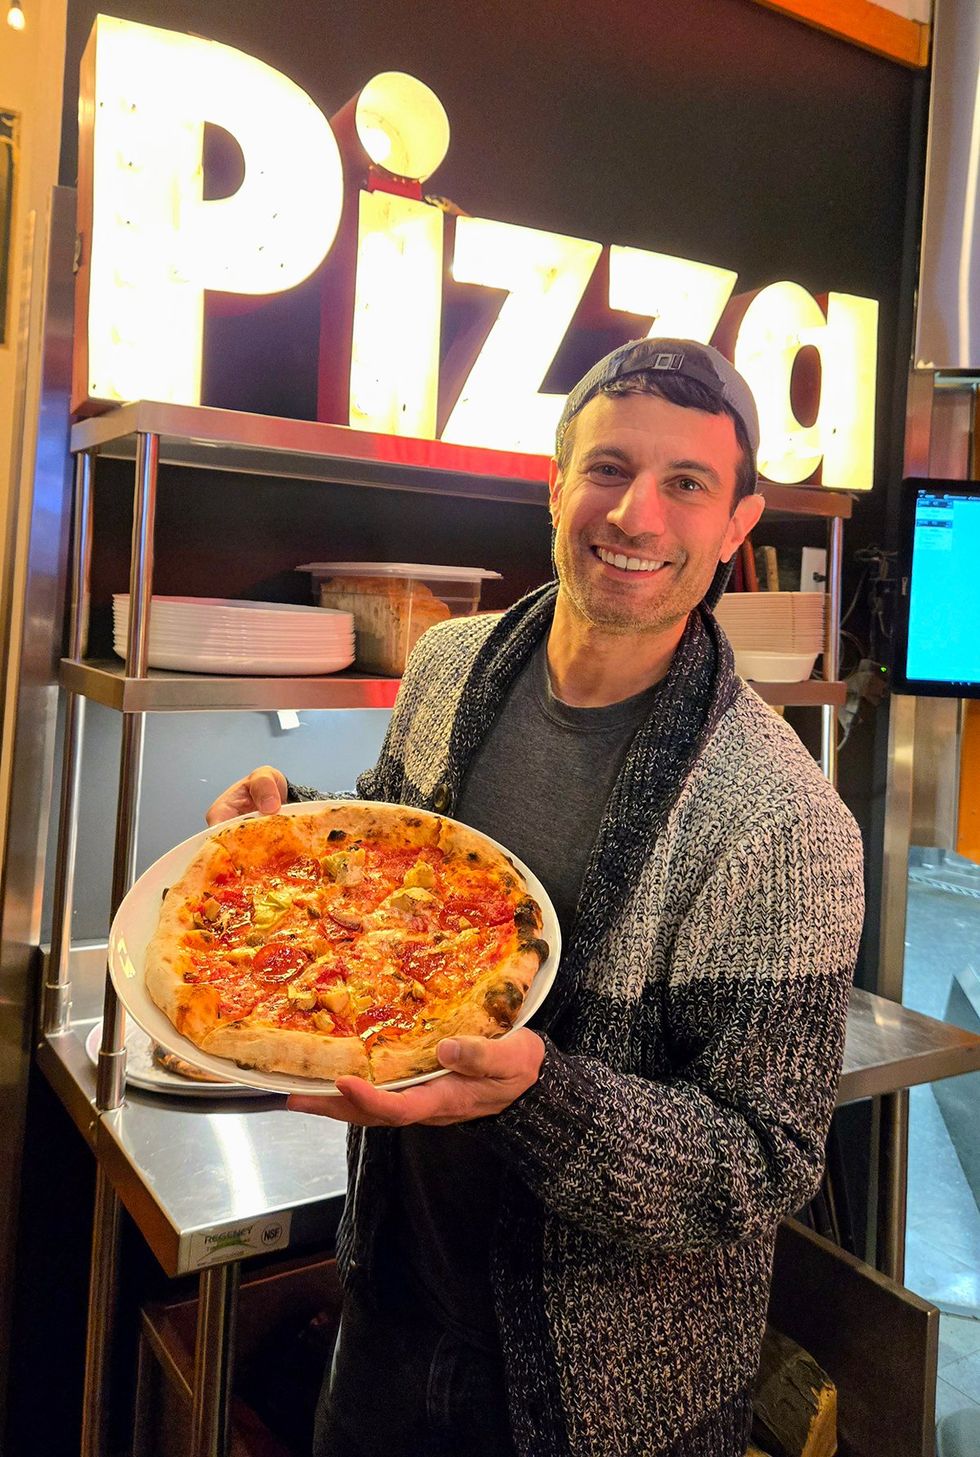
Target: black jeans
[402,1386]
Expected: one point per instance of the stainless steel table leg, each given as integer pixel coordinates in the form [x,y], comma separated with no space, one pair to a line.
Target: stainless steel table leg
[147,1381]
[56,1009]
[110,1084]
[103,1284]
[893,1148]
[214,1360]
[831,656]
[56,1006]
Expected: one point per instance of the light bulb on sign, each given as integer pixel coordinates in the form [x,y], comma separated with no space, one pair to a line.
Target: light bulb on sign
[402,125]
[15,16]
[377,143]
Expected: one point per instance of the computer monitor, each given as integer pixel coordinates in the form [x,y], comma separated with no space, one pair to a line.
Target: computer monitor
[937,639]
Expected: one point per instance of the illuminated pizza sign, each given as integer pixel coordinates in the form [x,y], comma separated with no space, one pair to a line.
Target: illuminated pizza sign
[351,193]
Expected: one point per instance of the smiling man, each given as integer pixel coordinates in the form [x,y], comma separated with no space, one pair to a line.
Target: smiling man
[564,1246]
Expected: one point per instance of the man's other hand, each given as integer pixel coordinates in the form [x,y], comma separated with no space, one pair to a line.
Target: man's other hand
[263,790]
[486,1077]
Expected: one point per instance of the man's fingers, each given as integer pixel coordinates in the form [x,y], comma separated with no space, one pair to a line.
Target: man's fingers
[480,1057]
[370,1107]
[267,787]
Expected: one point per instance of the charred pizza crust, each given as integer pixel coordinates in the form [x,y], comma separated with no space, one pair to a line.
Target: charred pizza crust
[386,883]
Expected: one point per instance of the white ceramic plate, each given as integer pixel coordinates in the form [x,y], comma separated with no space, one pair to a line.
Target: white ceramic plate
[787,643]
[136,920]
[220,642]
[143,1072]
[218,607]
[284,630]
[250,664]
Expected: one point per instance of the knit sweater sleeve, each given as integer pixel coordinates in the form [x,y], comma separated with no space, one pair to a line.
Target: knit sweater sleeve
[755,1009]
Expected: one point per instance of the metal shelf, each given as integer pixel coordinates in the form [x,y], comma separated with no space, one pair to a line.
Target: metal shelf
[203,438]
[104,681]
[805,501]
[228,440]
[811,694]
[186,1169]
[191,1173]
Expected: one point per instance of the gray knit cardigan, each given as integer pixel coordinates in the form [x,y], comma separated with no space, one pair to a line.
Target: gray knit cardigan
[691,1060]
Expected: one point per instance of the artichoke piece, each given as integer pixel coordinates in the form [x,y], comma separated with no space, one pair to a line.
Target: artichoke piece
[302,996]
[345,867]
[409,899]
[421,874]
[335,999]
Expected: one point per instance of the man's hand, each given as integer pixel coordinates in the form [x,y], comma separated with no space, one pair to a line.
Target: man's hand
[486,1077]
[263,790]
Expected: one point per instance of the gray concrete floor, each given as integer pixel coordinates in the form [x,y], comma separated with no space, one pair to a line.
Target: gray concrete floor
[942,1261]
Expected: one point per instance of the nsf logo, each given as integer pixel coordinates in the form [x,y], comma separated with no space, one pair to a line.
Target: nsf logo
[272,1234]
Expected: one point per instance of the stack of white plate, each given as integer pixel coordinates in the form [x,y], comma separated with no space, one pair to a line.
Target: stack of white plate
[776,636]
[220,635]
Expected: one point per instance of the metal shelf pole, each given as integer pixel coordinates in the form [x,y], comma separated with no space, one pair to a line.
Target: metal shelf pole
[831,657]
[111,1082]
[893,1152]
[56,1005]
[102,1292]
[112,1053]
[214,1356]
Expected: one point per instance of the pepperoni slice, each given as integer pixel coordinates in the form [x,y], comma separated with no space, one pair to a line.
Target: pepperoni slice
[279,961]
[488,910]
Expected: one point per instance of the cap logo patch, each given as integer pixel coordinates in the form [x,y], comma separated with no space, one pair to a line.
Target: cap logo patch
[667,361]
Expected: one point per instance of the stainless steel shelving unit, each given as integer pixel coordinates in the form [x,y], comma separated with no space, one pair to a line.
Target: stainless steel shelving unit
[188,1173]
[184,1204]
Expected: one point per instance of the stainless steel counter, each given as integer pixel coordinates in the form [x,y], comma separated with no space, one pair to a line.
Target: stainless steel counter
[190,1169]
[889,1047]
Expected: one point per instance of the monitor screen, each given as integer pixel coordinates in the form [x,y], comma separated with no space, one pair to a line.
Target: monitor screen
[938,636]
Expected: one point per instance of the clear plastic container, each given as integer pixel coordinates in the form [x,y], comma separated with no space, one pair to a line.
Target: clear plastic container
[393,603]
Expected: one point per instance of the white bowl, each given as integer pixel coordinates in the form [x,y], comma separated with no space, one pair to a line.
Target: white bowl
[775,667]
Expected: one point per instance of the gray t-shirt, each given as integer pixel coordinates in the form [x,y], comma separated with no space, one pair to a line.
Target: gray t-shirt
[538,784]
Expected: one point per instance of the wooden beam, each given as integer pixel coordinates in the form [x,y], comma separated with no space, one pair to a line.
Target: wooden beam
[864,23]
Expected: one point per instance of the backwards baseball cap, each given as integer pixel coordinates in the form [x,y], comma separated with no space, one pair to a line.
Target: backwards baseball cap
[683,357]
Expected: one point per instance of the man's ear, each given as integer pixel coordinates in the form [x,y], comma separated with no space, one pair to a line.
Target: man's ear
[554,490]
[744,519]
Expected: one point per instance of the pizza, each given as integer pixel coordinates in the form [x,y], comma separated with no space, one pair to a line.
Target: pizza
[348,938]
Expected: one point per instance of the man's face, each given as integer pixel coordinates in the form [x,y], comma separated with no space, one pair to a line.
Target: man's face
[643,511]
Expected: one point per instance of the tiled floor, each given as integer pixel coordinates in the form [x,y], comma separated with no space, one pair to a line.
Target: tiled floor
[943,1245]
[959,1364]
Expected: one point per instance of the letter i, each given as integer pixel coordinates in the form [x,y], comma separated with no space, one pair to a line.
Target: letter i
[394,373]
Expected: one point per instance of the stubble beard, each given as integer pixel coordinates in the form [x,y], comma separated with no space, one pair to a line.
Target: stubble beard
[600,609]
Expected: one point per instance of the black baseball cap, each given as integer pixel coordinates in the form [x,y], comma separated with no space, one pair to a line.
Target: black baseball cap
[684,357]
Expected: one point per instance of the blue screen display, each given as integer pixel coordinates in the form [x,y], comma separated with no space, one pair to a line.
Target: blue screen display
[944,590]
